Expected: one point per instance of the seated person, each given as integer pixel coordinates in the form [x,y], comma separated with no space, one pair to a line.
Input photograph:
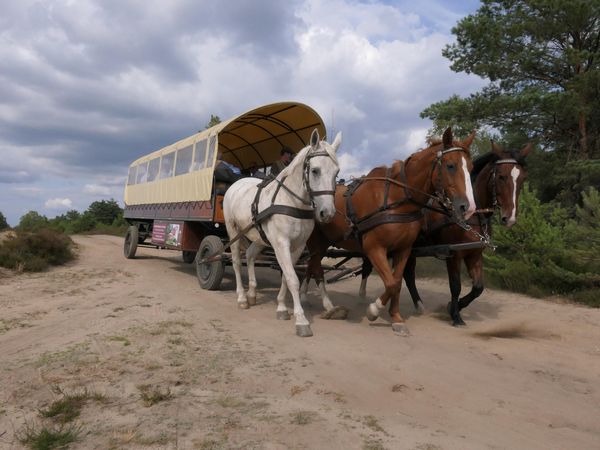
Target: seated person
[253,171]
[282,162]
[226,172]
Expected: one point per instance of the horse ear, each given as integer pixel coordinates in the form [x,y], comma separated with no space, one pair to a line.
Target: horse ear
[496,149]
[447,138]
[314,138]
[337,141]
[525,150]
[469,140]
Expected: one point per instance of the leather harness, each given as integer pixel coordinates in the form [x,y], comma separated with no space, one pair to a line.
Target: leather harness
[299,213]
[361,225]
[482,217]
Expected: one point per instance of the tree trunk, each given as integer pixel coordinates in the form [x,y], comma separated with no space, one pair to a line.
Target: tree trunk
[583,139]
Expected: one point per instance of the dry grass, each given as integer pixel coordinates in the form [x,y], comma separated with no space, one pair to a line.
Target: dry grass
[38,437]
[151,395]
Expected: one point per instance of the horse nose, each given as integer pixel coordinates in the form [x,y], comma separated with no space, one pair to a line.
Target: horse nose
[464,208]
[325,215]
[504,220]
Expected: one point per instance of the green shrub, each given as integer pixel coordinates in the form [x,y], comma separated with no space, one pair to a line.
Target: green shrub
[35,251]
[546,253]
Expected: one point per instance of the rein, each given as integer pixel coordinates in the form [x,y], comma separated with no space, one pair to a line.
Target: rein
[481,215]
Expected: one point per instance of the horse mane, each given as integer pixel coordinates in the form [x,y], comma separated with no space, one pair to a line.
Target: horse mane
[483,160]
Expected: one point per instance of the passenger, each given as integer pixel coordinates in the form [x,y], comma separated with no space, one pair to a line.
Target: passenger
[282,162]
[253,171]
[226,172]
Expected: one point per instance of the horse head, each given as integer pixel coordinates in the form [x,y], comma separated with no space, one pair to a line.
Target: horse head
[506,180]
[320,172]
[450,174]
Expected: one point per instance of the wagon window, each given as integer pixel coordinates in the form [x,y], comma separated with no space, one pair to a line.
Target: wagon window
[141,173]
[200,155]
[211,151]
[184,160]
[131,176]
[166,165]
[153,169]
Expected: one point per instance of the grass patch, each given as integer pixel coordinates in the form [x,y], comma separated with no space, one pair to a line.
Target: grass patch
[122,339]
[46,438]
[373,424]
[230,402]
[68,408]
[373,444]
[36,251]
[302,417]
[170,327]
[151,395]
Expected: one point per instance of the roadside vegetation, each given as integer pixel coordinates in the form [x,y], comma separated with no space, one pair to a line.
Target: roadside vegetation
[37,242]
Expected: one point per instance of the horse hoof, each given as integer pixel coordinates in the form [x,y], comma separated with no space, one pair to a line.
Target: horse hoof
[458,322]
[335,313]
[303,331]
[372,312]
[420,308]
[243,305]
[251,300]
[283,315]
[400,328]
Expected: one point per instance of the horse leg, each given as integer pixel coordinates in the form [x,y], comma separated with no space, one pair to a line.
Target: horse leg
[378,258]
[251,253]
[286,260]
[237,268]
[282,312]
[409,278]
[399,263]
[453,267]
[304,287]
[474,263]
[367,268]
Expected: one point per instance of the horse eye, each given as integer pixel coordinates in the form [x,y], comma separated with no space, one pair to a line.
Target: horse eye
[502,177]
[450,166]
[315,171]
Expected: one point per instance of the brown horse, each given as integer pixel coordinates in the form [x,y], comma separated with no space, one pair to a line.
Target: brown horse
[498,178]
[380,215]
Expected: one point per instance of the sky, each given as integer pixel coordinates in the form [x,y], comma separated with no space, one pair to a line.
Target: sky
[88,86]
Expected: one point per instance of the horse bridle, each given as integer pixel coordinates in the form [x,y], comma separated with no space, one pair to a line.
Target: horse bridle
[439,187]
[306,174]
[305,181]
[495,204]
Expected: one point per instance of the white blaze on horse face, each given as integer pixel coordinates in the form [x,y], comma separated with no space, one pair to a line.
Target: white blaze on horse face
[324,181]
[468,189]
[514,173]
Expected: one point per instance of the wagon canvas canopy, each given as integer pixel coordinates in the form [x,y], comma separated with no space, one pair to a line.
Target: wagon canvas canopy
[183,171]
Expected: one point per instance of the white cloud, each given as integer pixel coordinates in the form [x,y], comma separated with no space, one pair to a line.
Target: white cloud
[88,86]
[58,203]
[96,189]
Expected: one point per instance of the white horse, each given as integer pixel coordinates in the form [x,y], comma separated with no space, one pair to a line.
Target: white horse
[306,187]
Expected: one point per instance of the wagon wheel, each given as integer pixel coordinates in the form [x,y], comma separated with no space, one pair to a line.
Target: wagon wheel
[189,256]
[131,242]
[210,274]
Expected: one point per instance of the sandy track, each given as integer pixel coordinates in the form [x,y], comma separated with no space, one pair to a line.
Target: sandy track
[525,373]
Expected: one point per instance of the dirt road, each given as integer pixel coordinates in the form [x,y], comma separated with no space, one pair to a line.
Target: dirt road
[172,366]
